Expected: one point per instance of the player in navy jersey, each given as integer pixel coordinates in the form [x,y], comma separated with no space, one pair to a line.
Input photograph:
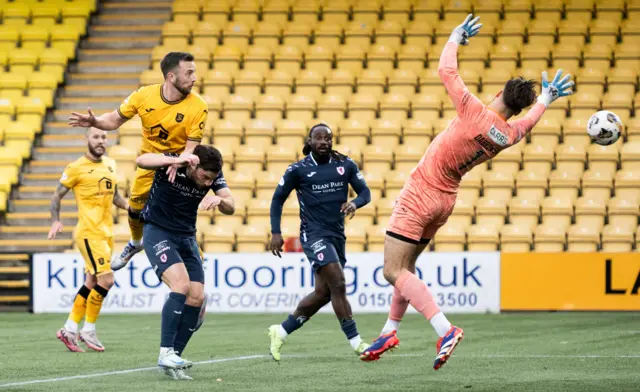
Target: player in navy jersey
[321,181]
[170,241]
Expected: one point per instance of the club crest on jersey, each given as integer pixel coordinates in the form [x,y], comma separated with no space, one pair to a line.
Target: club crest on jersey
[340,170]
[179,117]
[320,256]
[163,257]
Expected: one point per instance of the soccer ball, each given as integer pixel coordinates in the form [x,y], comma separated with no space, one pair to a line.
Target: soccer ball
[604,127]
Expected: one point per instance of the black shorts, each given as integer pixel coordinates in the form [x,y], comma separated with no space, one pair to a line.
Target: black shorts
[324,250]
[165,249]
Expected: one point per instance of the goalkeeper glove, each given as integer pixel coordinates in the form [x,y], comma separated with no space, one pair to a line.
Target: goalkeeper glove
[556,89]
[468,28]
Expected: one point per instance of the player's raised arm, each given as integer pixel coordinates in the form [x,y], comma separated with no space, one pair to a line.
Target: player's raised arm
[558,87]
[223,198]
[107,122]
[358,183]
[465,103]
[287,183]
[151,161]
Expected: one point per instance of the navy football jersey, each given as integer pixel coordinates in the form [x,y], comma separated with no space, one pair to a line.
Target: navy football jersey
[174,206]
[322,189]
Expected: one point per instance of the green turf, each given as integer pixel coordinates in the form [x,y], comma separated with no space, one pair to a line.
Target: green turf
[513,352]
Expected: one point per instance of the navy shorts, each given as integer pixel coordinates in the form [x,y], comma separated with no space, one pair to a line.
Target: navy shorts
[165,249]
[324,250]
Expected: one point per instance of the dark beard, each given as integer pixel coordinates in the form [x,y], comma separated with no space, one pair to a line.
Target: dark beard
[96,154]
[322,158]
[182,91]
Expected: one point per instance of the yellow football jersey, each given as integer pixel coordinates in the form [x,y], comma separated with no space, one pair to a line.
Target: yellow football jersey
[93,184]
[166,126]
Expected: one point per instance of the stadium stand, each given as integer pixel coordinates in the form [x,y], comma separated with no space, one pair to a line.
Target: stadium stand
[271,69]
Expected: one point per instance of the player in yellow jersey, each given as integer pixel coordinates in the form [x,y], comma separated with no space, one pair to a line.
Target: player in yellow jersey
[93,181]
[173,119]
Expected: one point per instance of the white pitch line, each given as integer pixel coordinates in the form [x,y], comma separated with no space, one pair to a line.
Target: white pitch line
[49,380]
[248,357]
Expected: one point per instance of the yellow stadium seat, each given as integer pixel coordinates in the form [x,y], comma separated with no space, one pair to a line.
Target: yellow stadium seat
[242,183]
[375,182]
[359,34]
[267,35]
[371,82]
[375,238]
[630,156]
[19,131]
[206,34]
[45,14]
[385,133]
[574,132]
[298,34]
[328,35]
[238,108]
[351,58]
[394,107]
[633,129]
[564,185]
[288,59]
[335,12]
[53,62]
[381,58]
[417,133]
[377,158]
[603,158]
[259,134]
[516,238]
[319,60]
[538,158]
[249,160]
[279,84]
[352,151]
[258,212]
[246,12]
[617,239]
[227,58]
[412,57]
[306,12]
[426,107]
[303,108]
[276,11]
[403,82]
[389,33]
[366,11]
[218,84]
[236,35]
[450,238]
[571,158]
[617,101]
[627,184]
[604,31]
[491,213]
[354,133]
[524,212]
[215,12]
[7,107]
[597,185]
[331,108]
[310,83]
[531,185]
[227,134]
[356,238]
[590,213]
[341,82]
[470,186]
[363,218]
[290,132]
[597,56]
[175,34]
[270,107]
[186,13]
[251,239]
[623,212]
[535,56]
[258,59]
[549,238]
[218,239]
[363,107]
[557,211]
[508,160]
[248,84]
[583,239]
[35,38]
[512,31]
[483,238]
[498,185]
[267,182]
[17,10]
[395,181]
[462,214]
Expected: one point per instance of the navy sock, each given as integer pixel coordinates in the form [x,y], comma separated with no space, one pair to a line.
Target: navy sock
[171,314]
[292,323]
[349,328]
[186,328]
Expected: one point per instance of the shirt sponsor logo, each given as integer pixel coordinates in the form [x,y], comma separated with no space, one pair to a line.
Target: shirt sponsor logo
[498,137]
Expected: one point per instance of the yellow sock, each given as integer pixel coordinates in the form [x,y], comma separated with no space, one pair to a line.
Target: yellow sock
[79,304]
[94,303]
[135,225]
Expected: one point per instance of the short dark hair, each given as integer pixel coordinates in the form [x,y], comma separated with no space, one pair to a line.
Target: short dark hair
[210,158]
[519,93]
[172,59]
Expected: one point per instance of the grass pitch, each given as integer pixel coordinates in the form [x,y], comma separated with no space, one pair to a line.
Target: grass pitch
[510,352]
